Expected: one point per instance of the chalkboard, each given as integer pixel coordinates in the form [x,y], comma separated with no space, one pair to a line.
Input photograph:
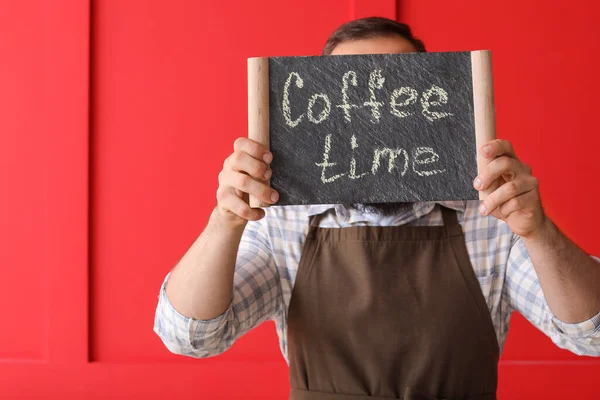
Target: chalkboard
[373,128]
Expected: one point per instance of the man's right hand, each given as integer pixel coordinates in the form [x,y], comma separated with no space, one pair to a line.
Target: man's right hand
[245,172]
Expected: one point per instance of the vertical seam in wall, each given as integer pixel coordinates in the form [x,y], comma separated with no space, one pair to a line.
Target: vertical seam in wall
[352,10]
[90,297]
[397,11]
[394,14]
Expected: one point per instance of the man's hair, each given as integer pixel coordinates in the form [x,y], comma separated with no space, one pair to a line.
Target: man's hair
[368,28]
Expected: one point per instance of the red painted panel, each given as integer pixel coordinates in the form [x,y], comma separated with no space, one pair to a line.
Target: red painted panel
[44,174]
[65,134]
[169,83]
[22,181]
[44,133]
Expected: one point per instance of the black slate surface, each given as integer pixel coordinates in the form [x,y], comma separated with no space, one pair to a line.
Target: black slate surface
[435,149]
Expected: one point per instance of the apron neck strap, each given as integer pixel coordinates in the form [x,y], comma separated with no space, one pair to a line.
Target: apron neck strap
[314,220]
[449,216]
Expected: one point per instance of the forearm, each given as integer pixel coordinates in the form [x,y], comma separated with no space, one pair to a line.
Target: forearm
[201,284]
[570,279]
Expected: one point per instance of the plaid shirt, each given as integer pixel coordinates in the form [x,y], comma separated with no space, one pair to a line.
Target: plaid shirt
[267,263]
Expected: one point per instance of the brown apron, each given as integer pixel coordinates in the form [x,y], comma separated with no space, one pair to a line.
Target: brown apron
[390,313]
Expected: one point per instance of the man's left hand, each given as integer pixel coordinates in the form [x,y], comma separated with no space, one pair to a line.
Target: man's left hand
[516,199]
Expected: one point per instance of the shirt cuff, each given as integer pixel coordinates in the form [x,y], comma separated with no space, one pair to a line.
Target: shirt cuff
[585,331]
[196,332]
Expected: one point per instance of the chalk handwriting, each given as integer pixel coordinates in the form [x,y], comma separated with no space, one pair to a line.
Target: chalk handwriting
[352,174]
[326,164]
[287,110]
[323,114]
[426,103]
[421,158]
[420,151]
[346,106]
[412,99]
[392,155]
[376,81]
[401,100]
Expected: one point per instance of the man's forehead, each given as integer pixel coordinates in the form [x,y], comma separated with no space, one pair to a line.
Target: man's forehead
[390,44]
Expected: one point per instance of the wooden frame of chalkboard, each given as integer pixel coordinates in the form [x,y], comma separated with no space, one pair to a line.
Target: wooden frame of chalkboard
[443,99]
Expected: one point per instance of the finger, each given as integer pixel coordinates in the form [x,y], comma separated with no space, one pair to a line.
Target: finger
[241,161]
[497,148]
[253,148]
[504,193]
[246,184]
[232,203]
[519,203]
[507,167]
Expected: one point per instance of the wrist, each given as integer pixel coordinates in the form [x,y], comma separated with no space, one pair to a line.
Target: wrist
[226,220]
[545,230]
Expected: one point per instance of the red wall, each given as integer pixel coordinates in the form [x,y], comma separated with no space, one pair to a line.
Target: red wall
[115,117]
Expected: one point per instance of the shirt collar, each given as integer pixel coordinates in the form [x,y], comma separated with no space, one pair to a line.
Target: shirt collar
[419,209]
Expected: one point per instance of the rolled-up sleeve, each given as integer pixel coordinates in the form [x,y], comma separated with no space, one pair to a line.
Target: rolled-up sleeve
[178,332]
[256,298]
[524,294]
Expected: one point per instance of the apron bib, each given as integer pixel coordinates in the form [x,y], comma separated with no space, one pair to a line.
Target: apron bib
[390,313]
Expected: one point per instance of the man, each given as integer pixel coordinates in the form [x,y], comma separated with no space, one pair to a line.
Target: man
[398,300]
